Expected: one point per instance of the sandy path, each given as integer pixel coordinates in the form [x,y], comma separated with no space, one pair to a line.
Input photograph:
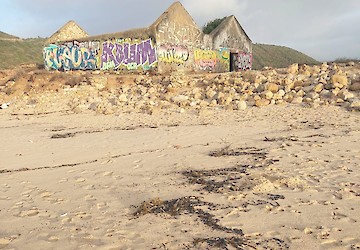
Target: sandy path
[288,177]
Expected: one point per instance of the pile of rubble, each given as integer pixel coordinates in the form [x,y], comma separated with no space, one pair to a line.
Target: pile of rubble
[312,86]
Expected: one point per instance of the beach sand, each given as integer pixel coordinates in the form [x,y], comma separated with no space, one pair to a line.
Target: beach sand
[276,177]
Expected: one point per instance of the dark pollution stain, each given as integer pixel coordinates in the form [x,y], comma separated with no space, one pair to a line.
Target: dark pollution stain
[220,181]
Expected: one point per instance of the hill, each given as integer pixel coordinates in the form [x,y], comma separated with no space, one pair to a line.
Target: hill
[16,52]
[278,56]
[6,36]
[26,51]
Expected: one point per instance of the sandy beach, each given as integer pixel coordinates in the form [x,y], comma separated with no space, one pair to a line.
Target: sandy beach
[277,177]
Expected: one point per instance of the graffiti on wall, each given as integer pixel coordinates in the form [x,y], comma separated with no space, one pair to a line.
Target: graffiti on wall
[244,61]
[205,59]
[224,59]
[127,53]
[178,33]
[72,55]
[170,53]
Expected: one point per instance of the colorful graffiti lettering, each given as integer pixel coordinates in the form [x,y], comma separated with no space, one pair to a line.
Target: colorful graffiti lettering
[71,56]
[170,53]
[131,55]
[224,59]
[205,59]
[244,61]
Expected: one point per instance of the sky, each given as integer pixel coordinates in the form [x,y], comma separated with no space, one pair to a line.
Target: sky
[323,29]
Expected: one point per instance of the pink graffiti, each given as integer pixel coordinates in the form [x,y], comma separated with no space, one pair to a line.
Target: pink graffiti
[170,53]
[244,61]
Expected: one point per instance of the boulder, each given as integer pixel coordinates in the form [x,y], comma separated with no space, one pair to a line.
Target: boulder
[339,81]
[293,69]
[262,102]
[318,88]
[273,87]
[297,100]
[123,98]
[241,105]
[355,86]
[267,95]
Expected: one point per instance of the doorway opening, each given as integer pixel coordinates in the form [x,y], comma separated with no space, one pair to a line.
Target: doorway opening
[233,62]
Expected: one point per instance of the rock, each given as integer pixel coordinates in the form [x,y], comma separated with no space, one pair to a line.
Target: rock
[181,100]
[113,101]
[241,105]
[219,95]
[293,69]
[355,104]
[272,87]
[325,94]
[4,242]
[318,88]
[312,95]
[122,98]
[93,106]
[324,66]
[108,111]
[210,93]
[281,92]
[5,105]
[226,100]
[308,89]
[267,94]
[262,102]
[339,81]
[355,86]
[308,230]
[297,100]
[351,64]
[300,93]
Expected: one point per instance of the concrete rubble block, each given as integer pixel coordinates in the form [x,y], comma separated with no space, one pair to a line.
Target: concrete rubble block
[262,102]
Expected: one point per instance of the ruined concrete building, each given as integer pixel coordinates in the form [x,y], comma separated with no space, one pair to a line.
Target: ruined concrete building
[172,42]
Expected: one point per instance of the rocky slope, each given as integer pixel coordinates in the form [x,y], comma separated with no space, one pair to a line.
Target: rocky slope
[33,90]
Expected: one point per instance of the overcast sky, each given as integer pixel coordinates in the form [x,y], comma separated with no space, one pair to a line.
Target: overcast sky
[323,29]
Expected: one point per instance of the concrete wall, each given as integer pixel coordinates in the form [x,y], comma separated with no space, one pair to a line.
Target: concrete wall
[173,43]
[233,37]
[68,32]
[176,36]
[113,54]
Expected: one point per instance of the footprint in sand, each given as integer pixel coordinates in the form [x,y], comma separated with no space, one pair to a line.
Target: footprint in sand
[53,239]
[83,215]
[47,237]
[4,198]
[343,217]
[89,198]
[108,173]
[108,161]
[63,180]
[29,213]
[46,194]
[102,205]
[90,187]
[80,180]
[137,166]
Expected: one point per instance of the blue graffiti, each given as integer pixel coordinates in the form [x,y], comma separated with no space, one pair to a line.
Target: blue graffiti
[70,57]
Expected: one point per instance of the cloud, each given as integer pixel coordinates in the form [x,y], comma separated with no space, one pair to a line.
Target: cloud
[324,29]
[204,11]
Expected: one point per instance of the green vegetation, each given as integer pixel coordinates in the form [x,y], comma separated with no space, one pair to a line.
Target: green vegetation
[278,56]
[16,52]
[4,35]
[346,60]
[210,26]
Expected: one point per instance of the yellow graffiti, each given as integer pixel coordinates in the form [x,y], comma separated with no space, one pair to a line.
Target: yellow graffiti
[205,59]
